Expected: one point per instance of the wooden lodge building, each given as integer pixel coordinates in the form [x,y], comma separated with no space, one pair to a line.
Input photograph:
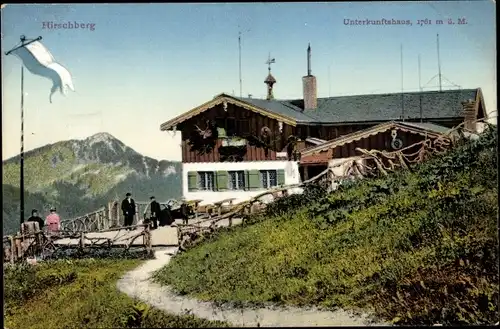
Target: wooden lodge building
[235,147]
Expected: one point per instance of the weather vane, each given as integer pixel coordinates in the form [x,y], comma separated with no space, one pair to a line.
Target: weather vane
[269,62]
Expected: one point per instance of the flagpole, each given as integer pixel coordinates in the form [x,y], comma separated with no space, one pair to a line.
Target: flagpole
[21,162]
[21,165]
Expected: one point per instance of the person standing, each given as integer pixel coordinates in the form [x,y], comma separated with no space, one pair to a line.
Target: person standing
[53,222]
[128,209]
[35,218]
[152,212]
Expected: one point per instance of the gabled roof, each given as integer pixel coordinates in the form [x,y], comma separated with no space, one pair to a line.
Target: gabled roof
[315,141]
[280,106]
[427,126]
[221,99]
[385,107]
[425,129]
[351,109]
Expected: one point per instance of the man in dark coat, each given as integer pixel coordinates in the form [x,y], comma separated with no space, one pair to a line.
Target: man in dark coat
[152,212]
[128,209]
[35,218]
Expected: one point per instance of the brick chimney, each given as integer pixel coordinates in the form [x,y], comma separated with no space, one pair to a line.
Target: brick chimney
[309,84]
[469,113]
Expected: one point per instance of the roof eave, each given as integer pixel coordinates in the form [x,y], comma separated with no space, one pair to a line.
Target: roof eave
[221,98]
[480,102]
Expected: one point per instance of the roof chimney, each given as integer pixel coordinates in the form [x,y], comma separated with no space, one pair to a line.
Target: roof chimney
[469,113]
[309,83]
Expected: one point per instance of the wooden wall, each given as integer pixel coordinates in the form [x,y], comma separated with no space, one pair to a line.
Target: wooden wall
[380,142]
[251,122]
[254,124]
[326,132]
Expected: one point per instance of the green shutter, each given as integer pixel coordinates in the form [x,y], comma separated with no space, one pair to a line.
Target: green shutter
[192,181]
[222,180]
[254,181]
[221,132]
[281,177]
[245,176]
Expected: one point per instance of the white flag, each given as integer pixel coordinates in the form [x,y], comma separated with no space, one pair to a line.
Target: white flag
[38,60]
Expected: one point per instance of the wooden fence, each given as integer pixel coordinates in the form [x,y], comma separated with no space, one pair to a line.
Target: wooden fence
[32,242]
[107,217]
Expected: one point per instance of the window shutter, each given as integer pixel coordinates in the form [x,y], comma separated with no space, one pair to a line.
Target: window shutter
[222,180]
[245,177]
[254,180]
[280,177]
[192,181]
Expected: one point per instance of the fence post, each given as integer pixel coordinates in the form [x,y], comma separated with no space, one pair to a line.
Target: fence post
[148,240]
[118,215]
[82,240]
[137,215]
[39,240]
[19,246]
[108,216]
[13,250]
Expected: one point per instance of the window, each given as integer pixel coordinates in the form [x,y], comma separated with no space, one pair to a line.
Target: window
[206,180]
[231,126]
[269,178]
[243,127]
[236,180]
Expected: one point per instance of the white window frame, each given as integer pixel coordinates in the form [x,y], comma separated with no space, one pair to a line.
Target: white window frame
[266,178]
[203,176]
[236,173]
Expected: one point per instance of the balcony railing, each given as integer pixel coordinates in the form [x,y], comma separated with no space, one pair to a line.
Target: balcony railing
[233,141]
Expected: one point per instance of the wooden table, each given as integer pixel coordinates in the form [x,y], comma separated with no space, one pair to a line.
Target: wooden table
[194,204]
[219,206]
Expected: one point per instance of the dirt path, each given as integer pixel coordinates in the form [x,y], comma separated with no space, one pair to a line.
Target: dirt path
[137,284]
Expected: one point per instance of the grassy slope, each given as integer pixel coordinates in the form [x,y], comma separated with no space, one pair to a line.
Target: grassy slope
[81,293]
[417,247]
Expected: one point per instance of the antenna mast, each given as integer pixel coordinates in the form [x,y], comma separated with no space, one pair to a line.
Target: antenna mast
[309,60]
[402,90]
[239,52]
[239,57]
[420,89]
[439,64]
[329,83]
[419,75]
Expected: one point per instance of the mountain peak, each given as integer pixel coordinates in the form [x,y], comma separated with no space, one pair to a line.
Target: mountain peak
[101,137]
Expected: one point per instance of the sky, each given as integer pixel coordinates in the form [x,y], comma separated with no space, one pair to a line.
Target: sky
[143,64]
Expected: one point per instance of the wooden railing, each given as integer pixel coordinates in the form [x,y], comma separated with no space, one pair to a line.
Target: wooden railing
[32,242]
[107,217]
[94,221]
